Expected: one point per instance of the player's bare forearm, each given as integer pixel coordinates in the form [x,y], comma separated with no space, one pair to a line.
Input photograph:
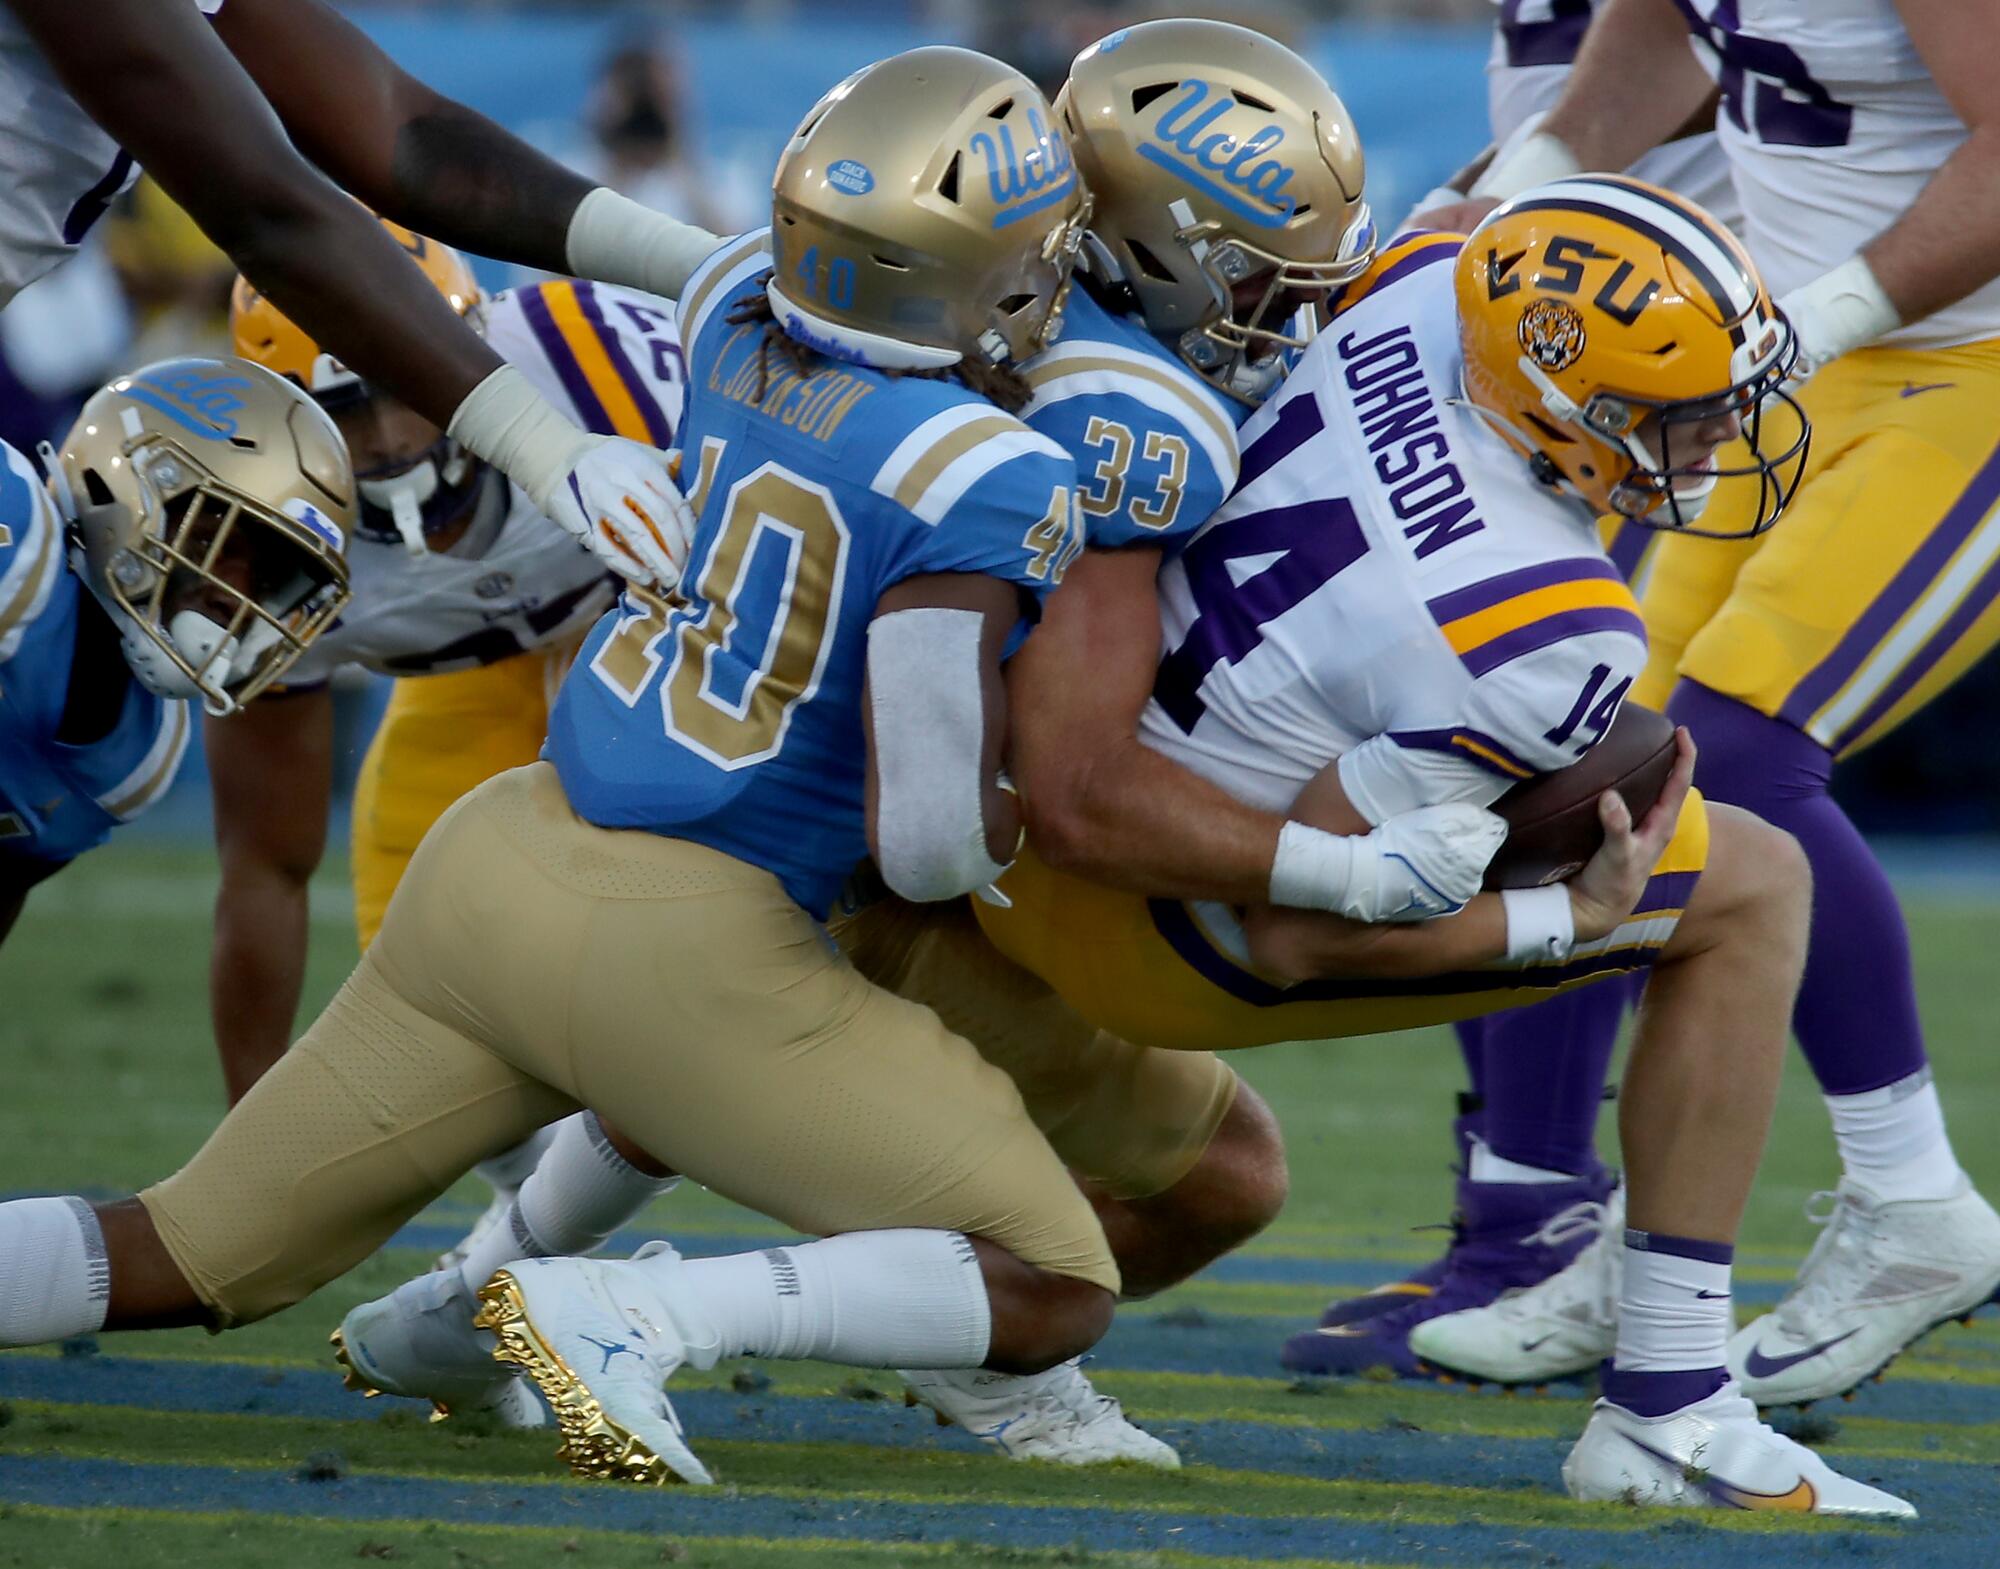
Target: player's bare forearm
[1100,803]
[271,770]
[428,162]
[1636,84]
[1947,243]
[1303,945]
[159,80]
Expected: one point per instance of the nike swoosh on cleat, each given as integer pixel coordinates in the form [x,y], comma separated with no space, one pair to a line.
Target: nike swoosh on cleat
[1535,1345]
[1711,1296]
[1757,1365]
[1800,1499]
[1910,391]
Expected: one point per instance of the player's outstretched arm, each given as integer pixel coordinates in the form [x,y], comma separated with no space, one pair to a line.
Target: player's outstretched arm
[1099,802]
[1947,242]
[941,820]
[1636,83]
[159,80]
[440,168]
[271,777]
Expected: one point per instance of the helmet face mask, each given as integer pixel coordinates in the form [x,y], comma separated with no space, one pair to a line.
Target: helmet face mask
[926,212]
[219,558]
[1621,340]
[1219,160]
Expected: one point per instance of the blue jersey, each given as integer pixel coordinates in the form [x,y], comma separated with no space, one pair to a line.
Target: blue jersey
[733,718]
[1155,447]
[58,800]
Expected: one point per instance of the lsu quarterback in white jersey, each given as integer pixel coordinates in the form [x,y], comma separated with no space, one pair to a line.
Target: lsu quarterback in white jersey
[463,590]
[1858,134]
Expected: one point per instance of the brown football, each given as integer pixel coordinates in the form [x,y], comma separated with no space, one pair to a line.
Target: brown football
[1552,826]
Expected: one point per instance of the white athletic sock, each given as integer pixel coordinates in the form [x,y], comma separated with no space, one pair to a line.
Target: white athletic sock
[509,1169]
[885,1299]
[55,1280]
[1485,1166]
[1893,1142]
[1673,1304]
[582,1191]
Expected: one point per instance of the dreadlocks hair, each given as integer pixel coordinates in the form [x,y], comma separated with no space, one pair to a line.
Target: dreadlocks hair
[998,384]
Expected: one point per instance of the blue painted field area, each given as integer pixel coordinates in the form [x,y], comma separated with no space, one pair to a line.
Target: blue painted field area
[243,1451]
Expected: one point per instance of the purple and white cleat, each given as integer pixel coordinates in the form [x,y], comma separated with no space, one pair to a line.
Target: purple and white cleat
[1510,1235]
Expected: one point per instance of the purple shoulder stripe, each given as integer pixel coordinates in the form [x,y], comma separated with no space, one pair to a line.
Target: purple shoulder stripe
[1522,580]
[1551,629]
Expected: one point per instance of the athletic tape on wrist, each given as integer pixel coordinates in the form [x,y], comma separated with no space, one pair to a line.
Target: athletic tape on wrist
[1312,869]
[614,239]
[1541,924]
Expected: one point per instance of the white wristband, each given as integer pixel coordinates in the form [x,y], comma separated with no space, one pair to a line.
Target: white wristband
[1436,196]
[1537,161]
[1312,869]
[616,240]
[1839,310]
[1541,924]
[512,426]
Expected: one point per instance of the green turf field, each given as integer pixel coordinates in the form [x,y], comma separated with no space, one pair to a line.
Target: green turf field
[179,1449]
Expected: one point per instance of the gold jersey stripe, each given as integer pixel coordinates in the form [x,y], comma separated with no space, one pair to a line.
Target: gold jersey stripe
[719,267]
[948,449]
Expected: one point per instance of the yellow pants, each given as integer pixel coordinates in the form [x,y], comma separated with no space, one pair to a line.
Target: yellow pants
[532,963]
[1880,585]
[441,735]
[1156,972]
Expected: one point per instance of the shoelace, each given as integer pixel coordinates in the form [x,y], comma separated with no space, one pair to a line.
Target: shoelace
[1585,1218]
[1832,1269]
[1592,1274]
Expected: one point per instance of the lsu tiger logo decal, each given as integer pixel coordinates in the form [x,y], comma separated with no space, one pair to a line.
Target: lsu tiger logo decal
[1551,334]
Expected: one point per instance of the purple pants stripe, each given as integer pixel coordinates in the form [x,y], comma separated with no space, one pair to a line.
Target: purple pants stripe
[535,309]
[1893,603]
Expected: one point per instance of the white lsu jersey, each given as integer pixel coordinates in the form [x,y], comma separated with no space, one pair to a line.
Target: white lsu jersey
[1534,46]
[611,359]
[1832,124]
[1388,587]
[59,170]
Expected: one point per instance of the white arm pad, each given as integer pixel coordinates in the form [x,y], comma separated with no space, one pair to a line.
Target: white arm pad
[614,239]
[512,426]
[930,738]
[1536,161]
[1541,924]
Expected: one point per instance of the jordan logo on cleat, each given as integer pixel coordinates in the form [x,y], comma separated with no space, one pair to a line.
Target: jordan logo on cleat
[610,1348]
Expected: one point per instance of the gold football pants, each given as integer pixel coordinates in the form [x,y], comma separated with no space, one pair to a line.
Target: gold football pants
[531,963]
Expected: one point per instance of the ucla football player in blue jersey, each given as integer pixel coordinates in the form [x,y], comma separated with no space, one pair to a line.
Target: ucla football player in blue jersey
[632,923]
[189,546]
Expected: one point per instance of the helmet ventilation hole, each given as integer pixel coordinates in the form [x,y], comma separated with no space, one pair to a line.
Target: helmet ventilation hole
[1252,103]
[1149,264]
[1141,96]
[947,185]
[1548,430]
[95,488]
[887,261]
[1014,304]
[1001,110]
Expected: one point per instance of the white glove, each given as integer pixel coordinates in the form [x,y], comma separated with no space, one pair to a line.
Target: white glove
[618,497]
[1837,311]
[1414,866]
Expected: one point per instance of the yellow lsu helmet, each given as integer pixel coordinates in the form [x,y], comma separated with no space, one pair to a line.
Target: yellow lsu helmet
[1589,304]
[926,211]
[1216,157]
[264,335]
[208,506]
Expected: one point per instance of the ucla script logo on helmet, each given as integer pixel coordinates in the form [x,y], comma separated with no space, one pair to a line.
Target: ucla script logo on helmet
[1024,182]
[205,402]
[1239,173]
[1551,334]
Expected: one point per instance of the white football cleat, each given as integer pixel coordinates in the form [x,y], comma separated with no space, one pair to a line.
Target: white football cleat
[1880,1277]
[602,1338]
[1054,1416]
[1714,1454]
[419,1341]
[1561,1328]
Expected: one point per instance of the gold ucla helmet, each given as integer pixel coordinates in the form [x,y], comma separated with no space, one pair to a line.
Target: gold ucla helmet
[407,500]
[208,504]
[926,211]
[1589,304]
[1218,159]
